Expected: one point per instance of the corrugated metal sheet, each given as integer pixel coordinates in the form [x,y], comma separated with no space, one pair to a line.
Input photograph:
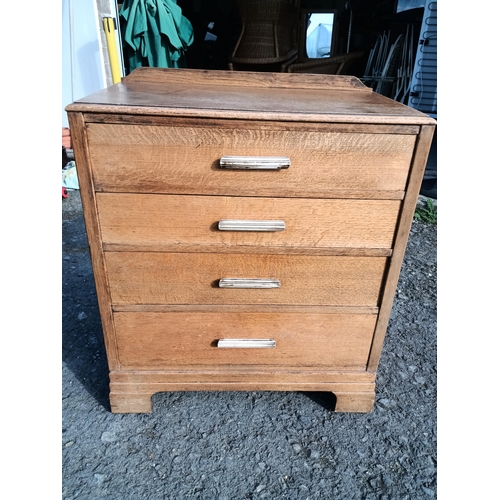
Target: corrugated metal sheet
[423,89]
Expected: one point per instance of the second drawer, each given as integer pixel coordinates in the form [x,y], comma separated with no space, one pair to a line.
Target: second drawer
[194,278]
[190,223]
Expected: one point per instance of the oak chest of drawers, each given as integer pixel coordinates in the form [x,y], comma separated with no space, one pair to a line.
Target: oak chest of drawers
[246,230]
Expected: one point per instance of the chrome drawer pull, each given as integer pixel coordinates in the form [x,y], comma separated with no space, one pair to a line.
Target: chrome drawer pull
[251,225]
[246,343]
[249,283]
[255,162]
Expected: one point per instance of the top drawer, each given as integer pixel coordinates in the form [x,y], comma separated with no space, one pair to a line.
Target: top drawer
[326,161]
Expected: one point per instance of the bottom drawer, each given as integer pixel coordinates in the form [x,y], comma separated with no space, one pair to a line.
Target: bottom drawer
[152,341]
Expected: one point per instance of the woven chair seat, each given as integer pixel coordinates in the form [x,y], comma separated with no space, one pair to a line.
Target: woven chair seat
[336,65]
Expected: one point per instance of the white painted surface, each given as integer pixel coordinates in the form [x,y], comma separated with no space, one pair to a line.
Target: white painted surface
[82,57]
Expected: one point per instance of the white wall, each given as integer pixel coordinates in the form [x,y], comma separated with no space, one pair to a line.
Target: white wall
[84,59]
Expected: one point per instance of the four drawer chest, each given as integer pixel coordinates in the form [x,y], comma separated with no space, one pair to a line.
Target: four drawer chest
[246,230]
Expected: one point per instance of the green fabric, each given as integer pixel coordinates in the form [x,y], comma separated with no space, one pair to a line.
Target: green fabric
[156,33]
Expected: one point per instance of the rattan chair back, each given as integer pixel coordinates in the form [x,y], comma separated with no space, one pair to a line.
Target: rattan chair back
[269,31]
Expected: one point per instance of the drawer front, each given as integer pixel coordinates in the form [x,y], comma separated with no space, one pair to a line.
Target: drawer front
[160,340]
[185,160]
[190,223]
[193,278]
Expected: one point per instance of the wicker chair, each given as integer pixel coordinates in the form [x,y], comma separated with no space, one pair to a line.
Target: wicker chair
[268,36]
[336,65]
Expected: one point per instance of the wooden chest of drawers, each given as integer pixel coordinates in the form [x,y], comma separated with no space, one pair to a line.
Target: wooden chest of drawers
[246,230]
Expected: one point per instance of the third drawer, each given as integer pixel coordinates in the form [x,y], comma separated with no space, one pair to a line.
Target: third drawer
[194,278]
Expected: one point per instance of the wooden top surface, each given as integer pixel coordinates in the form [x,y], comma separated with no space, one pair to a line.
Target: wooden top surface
[248,95]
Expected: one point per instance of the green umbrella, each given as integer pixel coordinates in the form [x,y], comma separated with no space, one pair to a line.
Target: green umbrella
[155,34]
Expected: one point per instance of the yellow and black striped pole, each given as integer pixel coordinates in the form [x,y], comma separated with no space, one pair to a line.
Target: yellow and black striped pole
[109,29]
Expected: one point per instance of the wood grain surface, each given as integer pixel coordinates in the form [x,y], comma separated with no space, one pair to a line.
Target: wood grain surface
[251,79]
[87,193]
[189,223]
[158,340]
[195,93]
[167,121]
[192,278]
[236,308]
[185,160]
[148,151]
[234,374]
[403,231]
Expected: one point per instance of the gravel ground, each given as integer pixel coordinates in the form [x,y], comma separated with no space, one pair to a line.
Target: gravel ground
[251,445]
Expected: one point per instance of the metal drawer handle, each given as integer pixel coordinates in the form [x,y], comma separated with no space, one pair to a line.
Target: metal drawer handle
[255,162]
[246,343]
[249,283]
[251,225]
